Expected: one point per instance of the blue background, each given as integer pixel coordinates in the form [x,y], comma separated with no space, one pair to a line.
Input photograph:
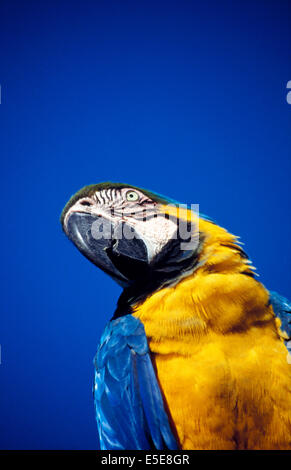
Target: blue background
[186,98]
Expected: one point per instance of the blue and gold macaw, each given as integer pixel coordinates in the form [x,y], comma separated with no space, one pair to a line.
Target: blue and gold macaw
[196,355]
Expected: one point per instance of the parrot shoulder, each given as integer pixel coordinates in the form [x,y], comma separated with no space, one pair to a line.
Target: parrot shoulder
[129,405]
[282,310]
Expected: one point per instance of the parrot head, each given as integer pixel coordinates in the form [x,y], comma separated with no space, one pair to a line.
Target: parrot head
[130,233]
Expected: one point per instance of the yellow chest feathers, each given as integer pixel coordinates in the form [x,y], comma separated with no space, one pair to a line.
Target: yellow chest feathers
[220,362]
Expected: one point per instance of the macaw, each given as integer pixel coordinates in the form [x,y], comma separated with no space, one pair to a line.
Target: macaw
[197,353]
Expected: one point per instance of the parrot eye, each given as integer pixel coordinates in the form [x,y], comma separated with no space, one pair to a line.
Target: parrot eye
[132,196]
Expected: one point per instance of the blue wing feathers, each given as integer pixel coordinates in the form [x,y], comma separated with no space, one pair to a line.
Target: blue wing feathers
[146,391]
[282,310]
[158,422]
[129,406]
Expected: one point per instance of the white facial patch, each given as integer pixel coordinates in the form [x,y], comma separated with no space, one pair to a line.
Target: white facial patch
[155,232]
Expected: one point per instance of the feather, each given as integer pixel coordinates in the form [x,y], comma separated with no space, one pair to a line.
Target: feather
[129,406]
[282,310]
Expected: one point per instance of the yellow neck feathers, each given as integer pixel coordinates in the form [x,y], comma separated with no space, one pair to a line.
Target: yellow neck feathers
[220,297]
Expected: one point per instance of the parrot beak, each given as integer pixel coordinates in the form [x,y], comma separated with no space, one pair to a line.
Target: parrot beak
[118,251]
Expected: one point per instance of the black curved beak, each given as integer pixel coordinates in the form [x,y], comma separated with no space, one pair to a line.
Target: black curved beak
[117,250]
